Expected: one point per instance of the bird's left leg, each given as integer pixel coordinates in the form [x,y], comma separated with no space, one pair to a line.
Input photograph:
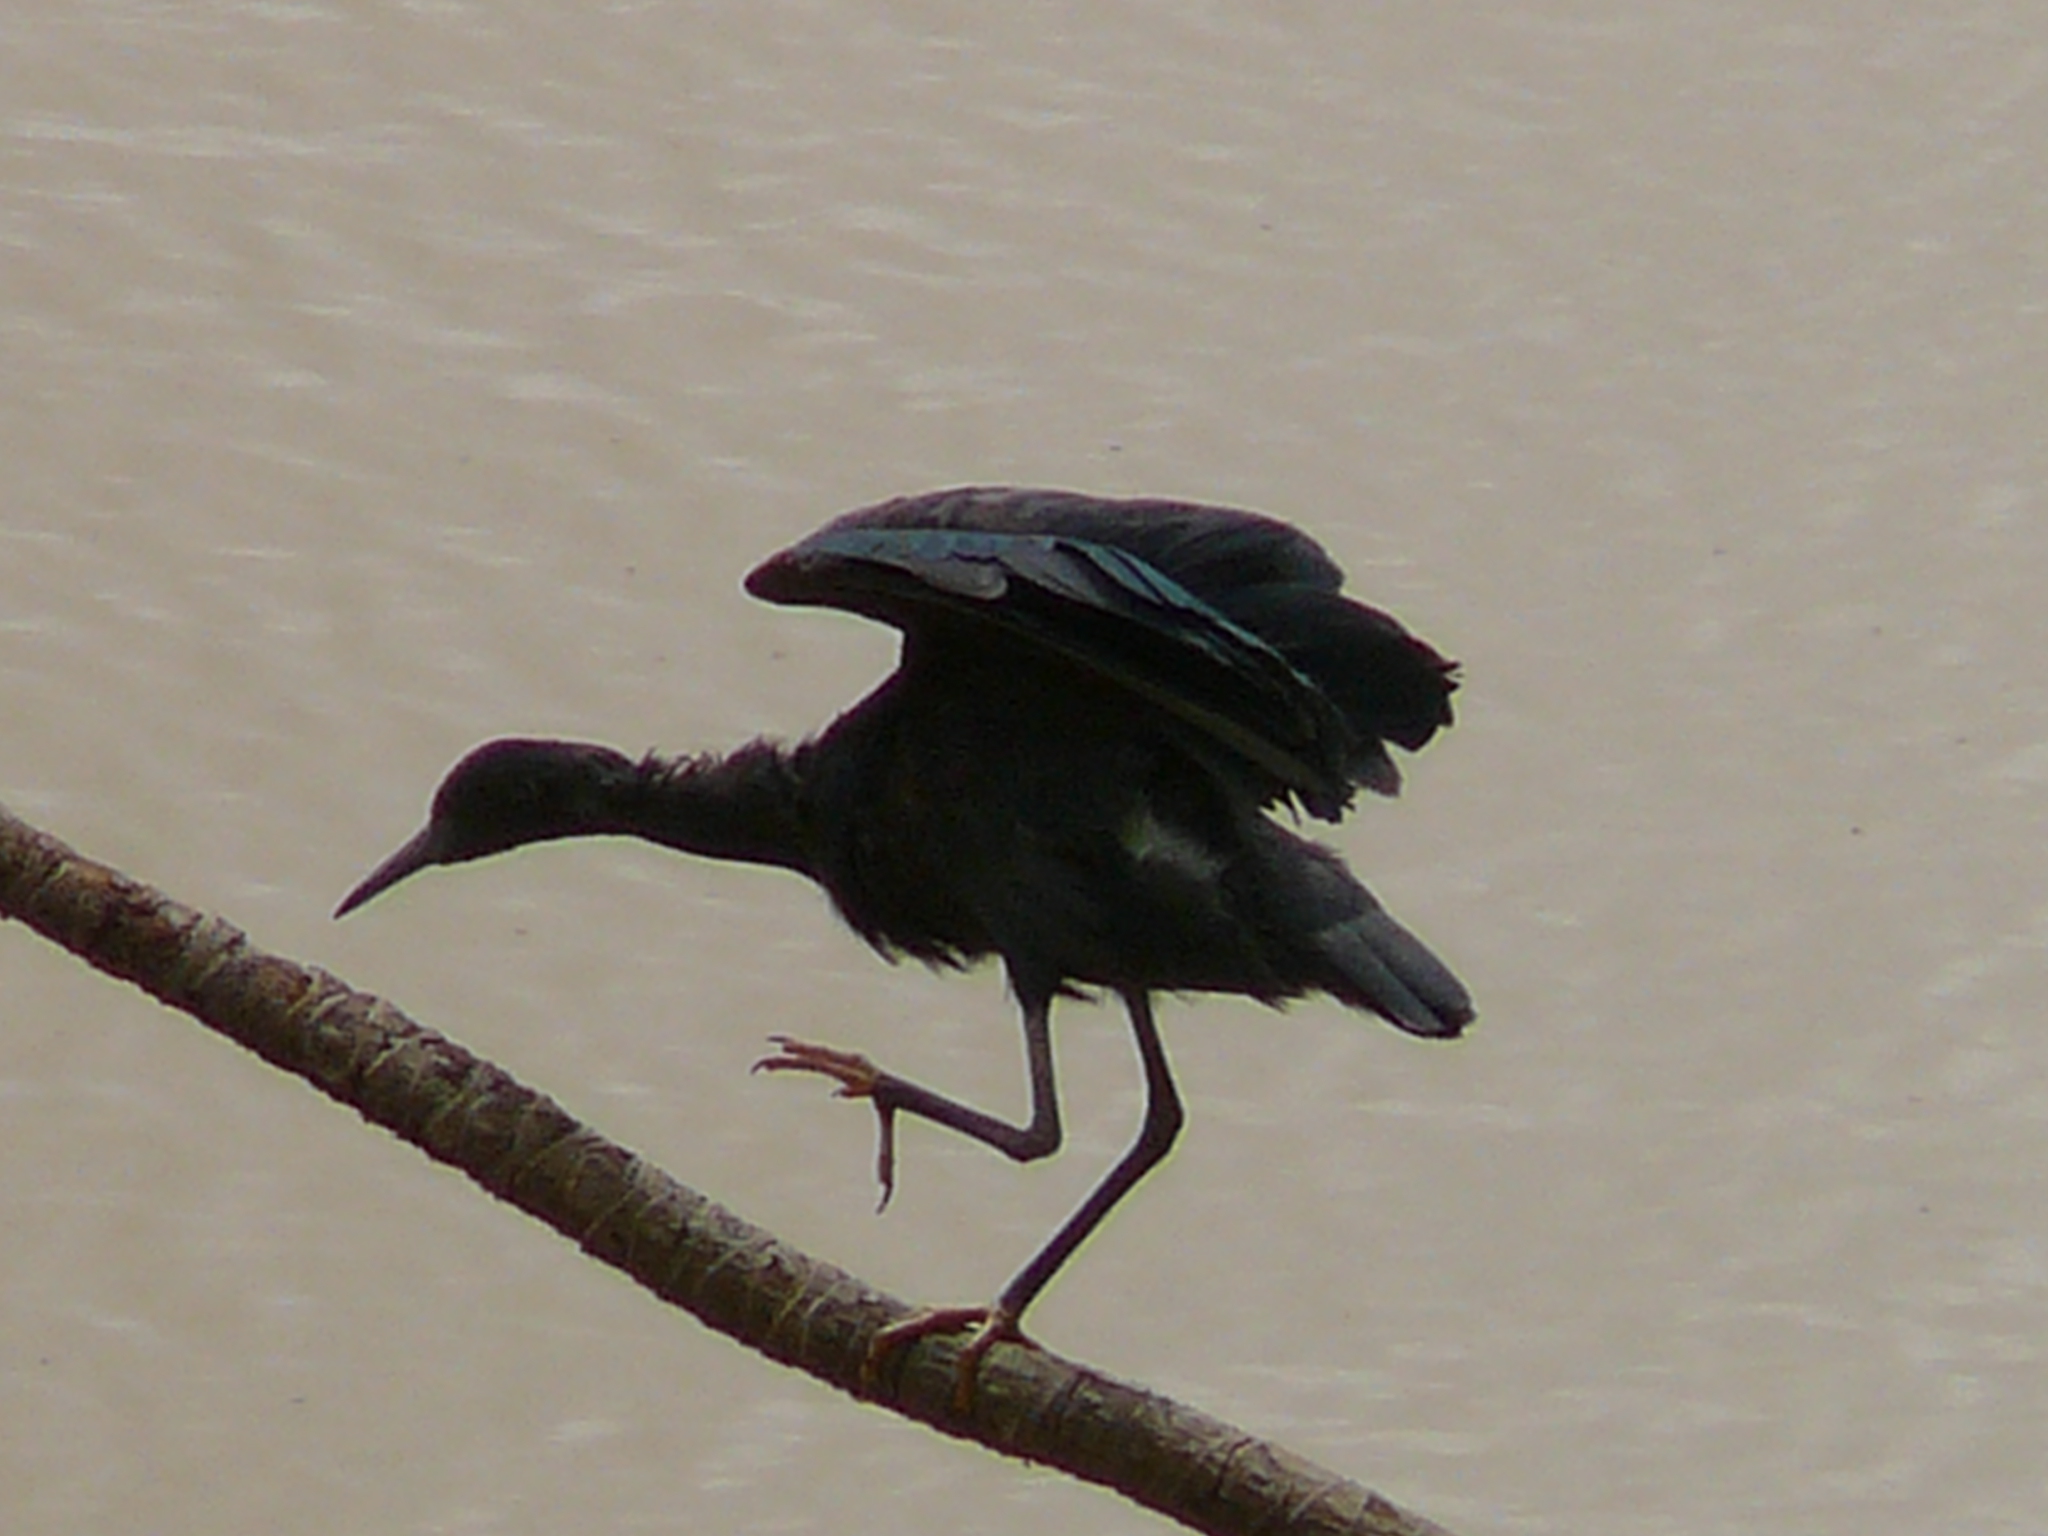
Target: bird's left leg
[1002,1320]
[860,1078]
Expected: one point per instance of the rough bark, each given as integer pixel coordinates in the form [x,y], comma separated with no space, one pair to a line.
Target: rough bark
[729,1274]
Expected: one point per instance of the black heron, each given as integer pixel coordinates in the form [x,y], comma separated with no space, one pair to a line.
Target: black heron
[1097,704]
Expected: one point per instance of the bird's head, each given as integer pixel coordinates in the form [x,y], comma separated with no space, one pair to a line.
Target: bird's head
[503,795]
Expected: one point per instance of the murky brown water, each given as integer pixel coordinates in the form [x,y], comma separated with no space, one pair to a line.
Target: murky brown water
[381,379]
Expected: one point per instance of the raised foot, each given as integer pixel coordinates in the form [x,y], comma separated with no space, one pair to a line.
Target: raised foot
[858,1078]
[856,1075]
[992,1325]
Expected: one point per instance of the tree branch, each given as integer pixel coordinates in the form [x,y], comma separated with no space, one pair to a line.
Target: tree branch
[732,1276]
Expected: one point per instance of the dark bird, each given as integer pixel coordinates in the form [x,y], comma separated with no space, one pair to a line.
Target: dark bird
[1097,705]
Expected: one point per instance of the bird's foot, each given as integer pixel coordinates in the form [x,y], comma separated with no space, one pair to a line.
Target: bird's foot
[992,1325]
[858,1078]
[856,1075]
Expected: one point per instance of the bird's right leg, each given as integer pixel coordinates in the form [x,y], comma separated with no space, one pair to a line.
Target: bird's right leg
[859,1078]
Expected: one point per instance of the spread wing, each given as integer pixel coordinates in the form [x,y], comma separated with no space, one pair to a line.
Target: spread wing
[1231,622]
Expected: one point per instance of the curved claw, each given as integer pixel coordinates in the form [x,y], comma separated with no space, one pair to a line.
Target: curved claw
[858,1078]
[992,1325]
[856,1075]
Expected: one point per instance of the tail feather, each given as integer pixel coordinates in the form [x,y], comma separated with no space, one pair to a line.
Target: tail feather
[1382,966]
[1348,945]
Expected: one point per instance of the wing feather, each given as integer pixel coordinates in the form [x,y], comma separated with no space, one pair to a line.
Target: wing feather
[1229,621]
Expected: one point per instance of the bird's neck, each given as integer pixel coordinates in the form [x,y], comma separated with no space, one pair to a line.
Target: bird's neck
[745,805]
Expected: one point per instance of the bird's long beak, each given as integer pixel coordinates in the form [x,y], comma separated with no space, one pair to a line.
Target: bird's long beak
[424,849]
